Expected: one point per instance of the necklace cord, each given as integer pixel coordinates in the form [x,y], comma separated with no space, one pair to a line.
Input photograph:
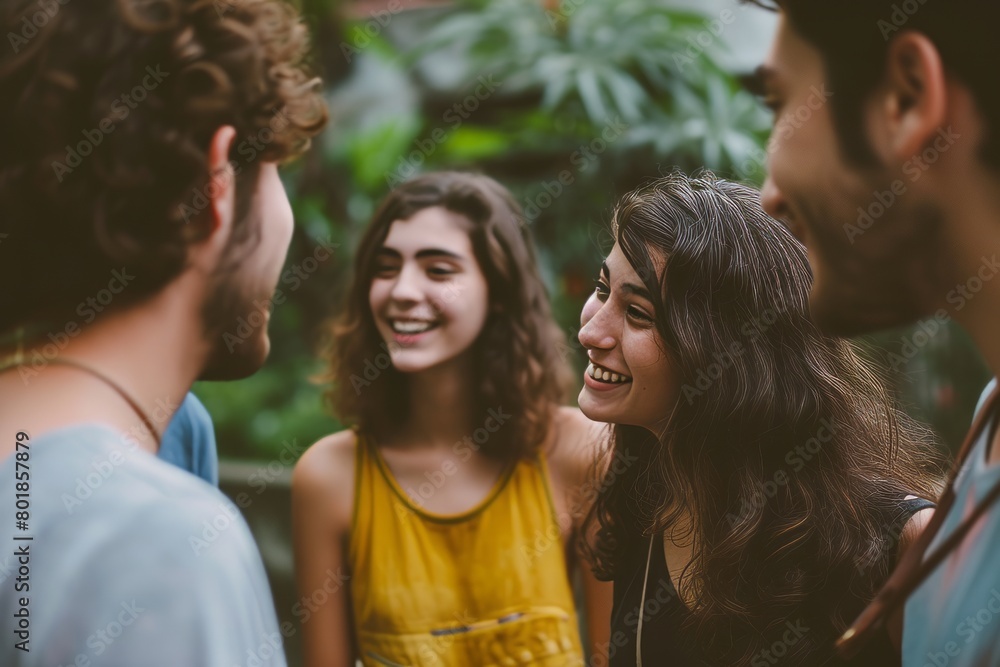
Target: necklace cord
[642,606]
[147,422]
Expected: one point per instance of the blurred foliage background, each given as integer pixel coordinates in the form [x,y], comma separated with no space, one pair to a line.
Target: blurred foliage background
[570,104]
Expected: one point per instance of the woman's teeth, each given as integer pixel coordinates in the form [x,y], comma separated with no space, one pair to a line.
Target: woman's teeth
[602,375]
[411,327]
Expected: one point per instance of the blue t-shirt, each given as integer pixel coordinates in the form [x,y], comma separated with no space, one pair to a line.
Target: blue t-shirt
[189,441]
[953,618]
[127,561]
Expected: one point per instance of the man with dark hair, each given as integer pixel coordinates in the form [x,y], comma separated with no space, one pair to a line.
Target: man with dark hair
[142,216]
[893,184]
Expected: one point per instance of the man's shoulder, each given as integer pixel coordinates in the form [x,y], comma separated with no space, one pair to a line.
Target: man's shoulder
[153,547]
[101,512]
[86,477]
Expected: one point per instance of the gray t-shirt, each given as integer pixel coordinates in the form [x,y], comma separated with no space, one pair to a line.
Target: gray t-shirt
[953,618]
[132,562]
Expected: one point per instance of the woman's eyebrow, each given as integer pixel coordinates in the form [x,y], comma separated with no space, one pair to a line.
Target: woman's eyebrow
[421,254]
[438,252]
[637,290]
[631,288]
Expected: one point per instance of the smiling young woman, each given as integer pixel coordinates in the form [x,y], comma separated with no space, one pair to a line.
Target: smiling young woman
[454,501]
[774,482]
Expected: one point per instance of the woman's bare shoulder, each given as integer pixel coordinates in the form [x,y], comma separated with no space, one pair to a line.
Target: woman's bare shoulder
[576,444]
[325,473]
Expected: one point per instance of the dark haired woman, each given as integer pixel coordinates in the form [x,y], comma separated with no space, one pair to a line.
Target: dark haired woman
[774,483]
[441,529]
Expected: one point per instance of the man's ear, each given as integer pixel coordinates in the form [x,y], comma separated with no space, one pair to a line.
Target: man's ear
[915,102]
[220,193]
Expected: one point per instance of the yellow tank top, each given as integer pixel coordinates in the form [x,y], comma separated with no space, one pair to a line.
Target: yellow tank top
[486,588]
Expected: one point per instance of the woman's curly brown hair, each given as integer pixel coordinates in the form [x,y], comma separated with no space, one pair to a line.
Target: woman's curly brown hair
[109,109]
[520,365]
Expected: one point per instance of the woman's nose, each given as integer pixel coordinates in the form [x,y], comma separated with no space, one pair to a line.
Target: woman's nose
[772,200]
[407,286]
[595,330]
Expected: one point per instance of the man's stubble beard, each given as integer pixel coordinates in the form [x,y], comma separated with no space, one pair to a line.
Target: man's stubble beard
[887,278]
[230,308]
[232,356]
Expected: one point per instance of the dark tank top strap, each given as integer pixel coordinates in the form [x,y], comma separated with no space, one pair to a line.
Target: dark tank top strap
[911,506]
[901,515]
[907,507]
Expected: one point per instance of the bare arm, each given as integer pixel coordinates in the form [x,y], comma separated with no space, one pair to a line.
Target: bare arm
[322,499]
[597,604]
[581,445]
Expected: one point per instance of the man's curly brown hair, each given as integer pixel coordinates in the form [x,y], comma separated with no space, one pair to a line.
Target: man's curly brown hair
[108,110]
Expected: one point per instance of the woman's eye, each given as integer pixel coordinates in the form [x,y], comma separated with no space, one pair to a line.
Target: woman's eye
[638,315]
[772,103]
[385,269]
[441,271]
[601,290]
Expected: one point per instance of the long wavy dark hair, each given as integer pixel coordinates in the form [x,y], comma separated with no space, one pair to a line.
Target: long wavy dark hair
[520,355]
[782,444]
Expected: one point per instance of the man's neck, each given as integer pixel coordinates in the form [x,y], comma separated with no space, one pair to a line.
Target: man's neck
[981,319]
[985,333]
[151,354]
[972,294]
